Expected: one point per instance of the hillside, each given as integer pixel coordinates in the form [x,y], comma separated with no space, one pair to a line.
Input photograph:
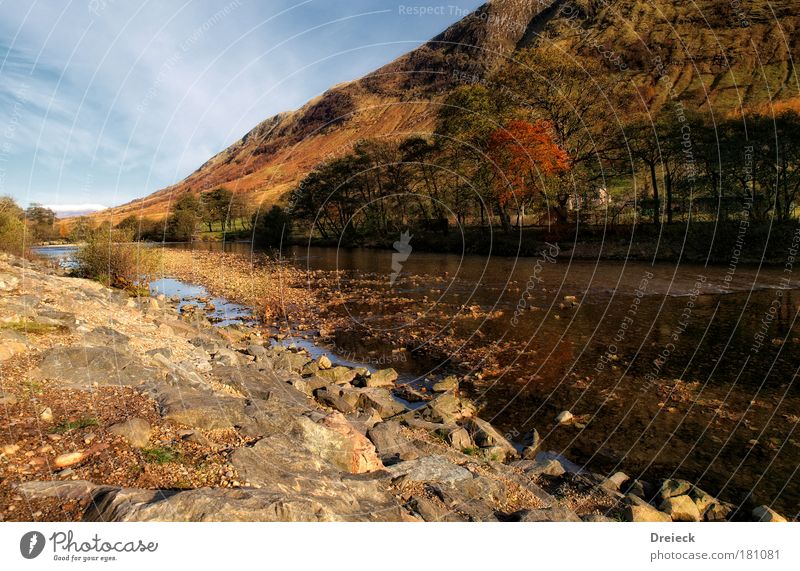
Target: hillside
[719,55]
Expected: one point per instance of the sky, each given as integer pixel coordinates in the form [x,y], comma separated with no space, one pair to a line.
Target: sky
[104,101]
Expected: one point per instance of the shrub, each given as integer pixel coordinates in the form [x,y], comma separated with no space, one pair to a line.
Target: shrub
[111,258]
[12,234]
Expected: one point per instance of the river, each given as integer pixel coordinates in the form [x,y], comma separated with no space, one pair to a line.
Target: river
[671,370]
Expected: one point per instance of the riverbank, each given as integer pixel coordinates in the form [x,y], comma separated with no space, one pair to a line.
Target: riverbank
[122,409]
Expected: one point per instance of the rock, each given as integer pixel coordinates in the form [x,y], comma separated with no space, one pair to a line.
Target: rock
[363,421]
[487,436]
[47,415]
[717,511]
[382,378]
[411,394]
[135,430]
[596,518]
[766,514]
[565,417]
[227,357]
[308,385]
[569,467]
[638,488]
[202,410]
[459,438]
[289,361]
[11,347]
[338,375]
[264,385]
[530,451]
[83,367]
[447,384]
[447,409]
[555,513]
[616,481]
[341,399]
[105,336]
[430,469]
[671,488]
[321,500]
[546,467]
[324,362]
[9,449]
[335,440]
[381,401]
[392,446]
[69,459]
[681,508]
[257,351]
[701,499]
[638,510]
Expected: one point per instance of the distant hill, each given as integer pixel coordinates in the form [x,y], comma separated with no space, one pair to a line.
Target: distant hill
[718,55]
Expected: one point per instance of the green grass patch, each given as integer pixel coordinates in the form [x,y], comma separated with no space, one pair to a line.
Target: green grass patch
[68,425]
[160,455]
[470,450]
[32,327]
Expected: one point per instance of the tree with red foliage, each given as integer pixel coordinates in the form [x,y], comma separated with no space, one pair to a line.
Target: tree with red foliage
[523,154]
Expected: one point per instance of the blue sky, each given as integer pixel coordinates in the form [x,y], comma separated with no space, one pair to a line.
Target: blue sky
[103,101]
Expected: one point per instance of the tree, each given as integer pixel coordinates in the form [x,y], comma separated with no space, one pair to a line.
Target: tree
[182,222]
[41,221]
[216,207]
[523,154]
[272,229]
[81,229]
[12,229]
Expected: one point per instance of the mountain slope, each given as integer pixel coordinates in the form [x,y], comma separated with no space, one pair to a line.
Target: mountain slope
[715,53]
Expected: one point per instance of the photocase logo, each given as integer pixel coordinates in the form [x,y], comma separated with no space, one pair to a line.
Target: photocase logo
[31,544]
[401,255]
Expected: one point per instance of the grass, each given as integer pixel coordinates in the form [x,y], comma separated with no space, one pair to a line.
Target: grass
[160,455]
[470,450]
[68,425]
[32,327]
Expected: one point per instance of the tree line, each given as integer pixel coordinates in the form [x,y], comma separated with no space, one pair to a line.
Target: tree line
[549,148]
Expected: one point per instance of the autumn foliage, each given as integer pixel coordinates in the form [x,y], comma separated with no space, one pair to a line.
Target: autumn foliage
[523,153]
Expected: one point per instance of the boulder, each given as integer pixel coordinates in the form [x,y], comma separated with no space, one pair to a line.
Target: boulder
[105,336]
[290,361]
[264,385]
[672,487]
[338,375]
[555,513]
[638,510]
[339,398]
[459,438]
[680,508]
[391,445]
[11,347]
[203,410]
[447,409]
[321,500]
[616,481]
[487,436]
[85,366]
[324,362]
[767,514]
[429,469]
[135,430]
[382,378]
[532,448]
[717,511]
[228,357]
[381,401]
[447,384]
[334,439]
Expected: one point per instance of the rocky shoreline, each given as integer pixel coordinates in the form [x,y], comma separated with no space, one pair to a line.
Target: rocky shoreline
[125,409]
